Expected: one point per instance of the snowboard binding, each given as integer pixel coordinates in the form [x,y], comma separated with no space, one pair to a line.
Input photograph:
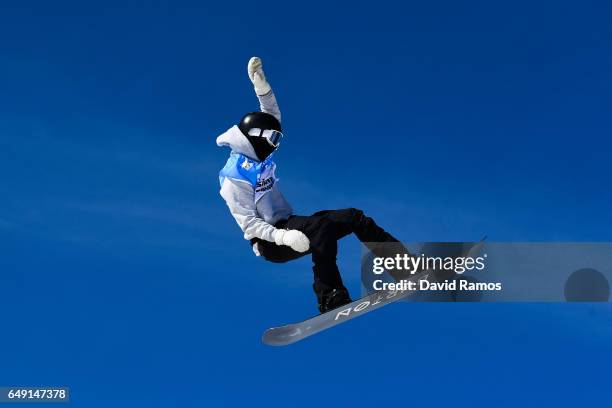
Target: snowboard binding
[329,298]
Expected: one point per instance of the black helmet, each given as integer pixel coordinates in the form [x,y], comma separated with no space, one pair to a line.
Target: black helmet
[263,131]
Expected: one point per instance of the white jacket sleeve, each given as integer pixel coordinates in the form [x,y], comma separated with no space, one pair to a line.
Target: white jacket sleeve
[268,104]
[239,197]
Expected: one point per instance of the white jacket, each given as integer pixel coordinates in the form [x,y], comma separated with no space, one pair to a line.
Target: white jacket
[250,187]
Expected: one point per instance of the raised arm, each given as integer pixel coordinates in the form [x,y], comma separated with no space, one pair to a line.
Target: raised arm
[263,90]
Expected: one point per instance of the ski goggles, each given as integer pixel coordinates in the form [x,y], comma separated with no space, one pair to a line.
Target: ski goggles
[272,136]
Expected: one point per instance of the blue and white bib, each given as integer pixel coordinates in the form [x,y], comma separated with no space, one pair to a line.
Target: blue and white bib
[260,175]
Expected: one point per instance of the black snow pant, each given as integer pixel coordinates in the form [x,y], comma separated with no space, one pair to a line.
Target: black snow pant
[324,229]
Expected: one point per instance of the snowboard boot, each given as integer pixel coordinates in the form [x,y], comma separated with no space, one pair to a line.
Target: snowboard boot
[330,298]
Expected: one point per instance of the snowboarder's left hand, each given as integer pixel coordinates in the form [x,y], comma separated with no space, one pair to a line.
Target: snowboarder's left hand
[257,76]
[295,239]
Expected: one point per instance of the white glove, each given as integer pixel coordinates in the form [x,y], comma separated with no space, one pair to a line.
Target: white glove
[292,238]
[258,78]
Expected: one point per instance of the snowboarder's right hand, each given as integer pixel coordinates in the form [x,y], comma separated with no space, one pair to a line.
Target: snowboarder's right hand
[292,238]
[257,76]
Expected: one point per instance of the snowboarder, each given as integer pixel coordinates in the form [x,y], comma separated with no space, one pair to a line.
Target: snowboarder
[250,188]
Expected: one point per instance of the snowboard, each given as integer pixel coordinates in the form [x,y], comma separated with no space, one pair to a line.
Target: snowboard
[292,333]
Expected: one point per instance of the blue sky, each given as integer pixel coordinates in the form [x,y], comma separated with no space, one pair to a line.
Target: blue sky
[123,275]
